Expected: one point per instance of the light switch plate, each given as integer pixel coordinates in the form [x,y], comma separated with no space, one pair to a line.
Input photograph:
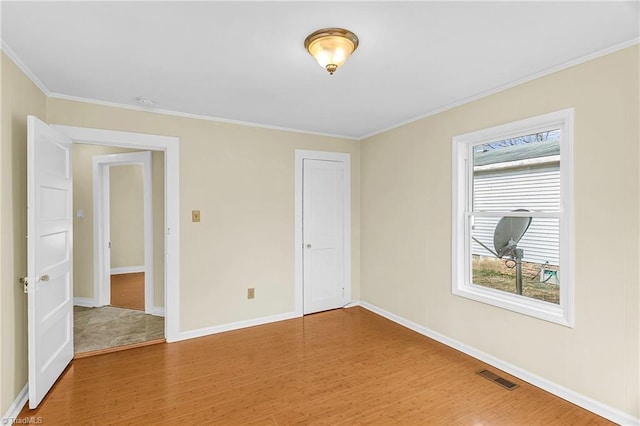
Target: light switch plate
[195,216]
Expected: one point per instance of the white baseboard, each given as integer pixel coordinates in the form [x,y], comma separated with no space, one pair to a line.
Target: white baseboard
[157,311]
[583,401]
[576,398]
[14,411]
[127,270]
[201,332]
[85,302]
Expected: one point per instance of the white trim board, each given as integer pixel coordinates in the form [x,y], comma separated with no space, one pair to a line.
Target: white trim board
[507,86]
[35,80]
[157,311]
[197,116]
[206,331]
[560,391]
[85,302]
[345,158]
[23,67]
[126,270]
[170,146]
[14,410]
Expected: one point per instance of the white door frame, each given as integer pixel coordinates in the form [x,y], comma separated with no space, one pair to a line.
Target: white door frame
[102,224]
[345,158]
[170,146]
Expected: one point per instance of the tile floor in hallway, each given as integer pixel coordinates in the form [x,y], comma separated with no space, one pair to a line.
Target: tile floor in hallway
[108,326]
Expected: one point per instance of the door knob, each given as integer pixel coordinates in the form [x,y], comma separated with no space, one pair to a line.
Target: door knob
[44,278]
[308,245]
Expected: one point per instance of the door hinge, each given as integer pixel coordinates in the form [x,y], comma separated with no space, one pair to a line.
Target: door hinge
[24,282]
[109,244]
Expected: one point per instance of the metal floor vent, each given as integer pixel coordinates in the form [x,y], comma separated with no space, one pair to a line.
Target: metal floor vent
[497,379]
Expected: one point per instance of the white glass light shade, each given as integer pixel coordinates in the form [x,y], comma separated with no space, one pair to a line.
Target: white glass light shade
[331,47]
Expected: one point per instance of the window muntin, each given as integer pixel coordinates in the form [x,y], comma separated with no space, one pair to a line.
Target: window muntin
[516,167]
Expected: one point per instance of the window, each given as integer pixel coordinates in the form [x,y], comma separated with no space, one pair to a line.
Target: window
[512,216]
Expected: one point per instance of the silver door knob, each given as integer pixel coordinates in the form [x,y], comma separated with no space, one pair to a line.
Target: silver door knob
[308,245]
[44,278]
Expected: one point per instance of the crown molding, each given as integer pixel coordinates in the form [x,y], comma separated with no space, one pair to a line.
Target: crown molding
[31,75]
[195,116]
[498,89]
[23,67]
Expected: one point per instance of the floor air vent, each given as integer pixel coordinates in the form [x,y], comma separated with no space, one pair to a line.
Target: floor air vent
[497,379]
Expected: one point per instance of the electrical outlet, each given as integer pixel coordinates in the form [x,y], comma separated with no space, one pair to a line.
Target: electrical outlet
[251,293]
[195,216]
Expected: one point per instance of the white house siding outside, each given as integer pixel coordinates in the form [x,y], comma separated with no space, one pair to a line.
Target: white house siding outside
[532,185]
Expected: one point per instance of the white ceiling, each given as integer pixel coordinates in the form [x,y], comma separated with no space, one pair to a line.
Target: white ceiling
[245,61]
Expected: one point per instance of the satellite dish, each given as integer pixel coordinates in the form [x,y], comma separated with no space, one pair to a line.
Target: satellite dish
[509,232]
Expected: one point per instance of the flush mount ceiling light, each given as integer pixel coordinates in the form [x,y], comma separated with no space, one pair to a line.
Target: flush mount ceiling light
[331,47]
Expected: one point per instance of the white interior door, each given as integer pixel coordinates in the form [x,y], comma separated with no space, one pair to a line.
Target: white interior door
[50,242]
[323,235]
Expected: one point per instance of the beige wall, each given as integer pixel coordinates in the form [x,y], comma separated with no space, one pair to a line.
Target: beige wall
[406,231]
[241,178]
[20,97]
[157,181]
[126,203]
[83,227]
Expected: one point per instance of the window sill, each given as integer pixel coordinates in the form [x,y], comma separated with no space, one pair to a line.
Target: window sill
[516,303]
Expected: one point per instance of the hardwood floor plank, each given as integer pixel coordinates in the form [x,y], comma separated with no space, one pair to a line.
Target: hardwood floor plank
[347,366]
[127,290]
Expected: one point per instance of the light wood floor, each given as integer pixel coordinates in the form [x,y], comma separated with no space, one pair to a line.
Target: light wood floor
[127,291]
[347,366]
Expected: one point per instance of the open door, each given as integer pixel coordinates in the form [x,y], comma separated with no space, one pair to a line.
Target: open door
[50,241]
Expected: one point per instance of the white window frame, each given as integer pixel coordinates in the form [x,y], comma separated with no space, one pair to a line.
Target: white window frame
[562,313]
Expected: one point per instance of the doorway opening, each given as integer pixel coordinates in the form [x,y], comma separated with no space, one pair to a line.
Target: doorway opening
[118,302]
[164,153]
